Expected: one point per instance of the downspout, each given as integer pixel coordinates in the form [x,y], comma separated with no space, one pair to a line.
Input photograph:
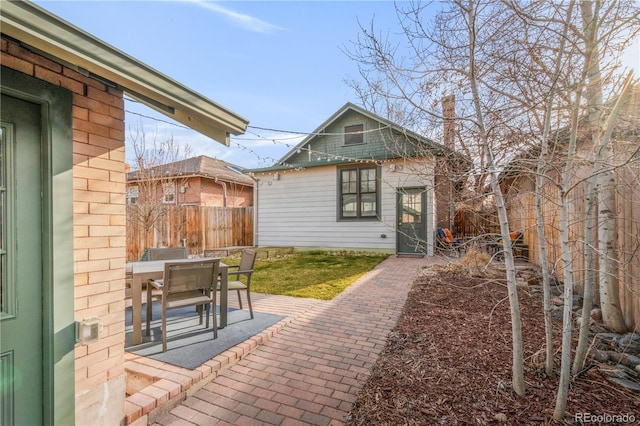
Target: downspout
[255,209]
[224,191]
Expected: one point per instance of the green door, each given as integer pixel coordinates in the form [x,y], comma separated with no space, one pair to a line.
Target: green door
[21,315]
[412,223]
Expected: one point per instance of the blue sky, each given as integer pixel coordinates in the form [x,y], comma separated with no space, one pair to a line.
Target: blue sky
[279,64]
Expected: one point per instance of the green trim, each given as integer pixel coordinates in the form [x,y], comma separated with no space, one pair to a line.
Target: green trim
[57,250]
[306,165]
[6,389]
[9,307]
[358,167]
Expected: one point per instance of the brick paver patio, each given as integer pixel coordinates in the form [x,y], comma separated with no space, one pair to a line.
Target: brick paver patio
[311,370]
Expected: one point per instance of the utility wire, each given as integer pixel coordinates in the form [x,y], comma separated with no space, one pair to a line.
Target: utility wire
[267,129]
[276,140]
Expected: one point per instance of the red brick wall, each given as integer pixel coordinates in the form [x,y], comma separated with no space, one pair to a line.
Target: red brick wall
[206,192]
[237,195]
[99,209]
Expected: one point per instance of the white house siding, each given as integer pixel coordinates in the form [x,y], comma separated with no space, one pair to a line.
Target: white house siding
[300,208]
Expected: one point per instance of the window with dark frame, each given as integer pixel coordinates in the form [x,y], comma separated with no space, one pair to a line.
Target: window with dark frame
[353,135]
[169,193]
[358,193]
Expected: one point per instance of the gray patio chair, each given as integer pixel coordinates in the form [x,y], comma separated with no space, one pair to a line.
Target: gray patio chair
[167,253]
[185,284]
[154,253]
[247,260]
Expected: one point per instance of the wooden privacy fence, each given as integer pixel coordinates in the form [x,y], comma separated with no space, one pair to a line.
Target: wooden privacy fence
[474,221]
[198,228]
[521,207]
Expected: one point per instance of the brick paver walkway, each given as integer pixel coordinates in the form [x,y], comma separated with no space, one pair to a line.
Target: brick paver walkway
[312,370]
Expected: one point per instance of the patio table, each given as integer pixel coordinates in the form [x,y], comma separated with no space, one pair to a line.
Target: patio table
[154,269]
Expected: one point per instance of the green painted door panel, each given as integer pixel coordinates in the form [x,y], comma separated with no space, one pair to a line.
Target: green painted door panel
[412,220]
[21,276]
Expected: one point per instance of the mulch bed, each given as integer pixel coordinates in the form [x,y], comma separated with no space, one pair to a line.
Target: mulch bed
[448,361]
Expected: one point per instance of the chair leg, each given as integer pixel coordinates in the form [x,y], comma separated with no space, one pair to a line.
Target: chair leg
[208,309]
[215,318]
[239,299]
[149,310]
[164,329]
[249,303]
[199,310]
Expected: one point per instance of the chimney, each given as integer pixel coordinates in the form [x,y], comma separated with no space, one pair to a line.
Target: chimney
[449,115]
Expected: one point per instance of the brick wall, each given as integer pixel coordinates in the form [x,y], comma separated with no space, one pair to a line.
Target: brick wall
[237,195]
[99,209]
[206,192]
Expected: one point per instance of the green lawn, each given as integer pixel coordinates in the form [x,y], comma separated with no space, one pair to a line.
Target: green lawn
[315,274]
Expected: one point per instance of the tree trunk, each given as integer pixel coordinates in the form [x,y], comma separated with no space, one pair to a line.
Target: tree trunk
[563,386]
[605,178]
[546,275]
[587,294]
[608,264]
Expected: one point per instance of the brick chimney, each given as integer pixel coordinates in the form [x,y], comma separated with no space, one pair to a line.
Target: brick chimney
[449,115]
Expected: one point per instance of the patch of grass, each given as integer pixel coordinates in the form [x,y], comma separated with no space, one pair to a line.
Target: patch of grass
[315,274]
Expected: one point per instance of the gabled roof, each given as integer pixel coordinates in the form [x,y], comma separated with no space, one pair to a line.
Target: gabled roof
[427,144]
[201,166]
[52,36]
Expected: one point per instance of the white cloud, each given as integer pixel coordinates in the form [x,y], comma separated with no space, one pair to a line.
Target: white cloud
[240,19]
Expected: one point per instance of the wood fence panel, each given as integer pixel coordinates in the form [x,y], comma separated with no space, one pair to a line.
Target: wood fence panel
[201,228]
[628,223]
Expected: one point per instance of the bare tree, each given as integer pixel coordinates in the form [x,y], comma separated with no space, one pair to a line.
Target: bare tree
[455,55]
[524,76]
[153,183]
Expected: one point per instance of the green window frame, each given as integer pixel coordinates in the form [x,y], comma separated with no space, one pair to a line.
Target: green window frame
[354,134]
[359,193]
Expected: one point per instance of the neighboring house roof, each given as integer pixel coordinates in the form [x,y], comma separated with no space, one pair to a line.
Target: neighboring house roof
[426,144]
[36,27]
[201,166]
[626,128]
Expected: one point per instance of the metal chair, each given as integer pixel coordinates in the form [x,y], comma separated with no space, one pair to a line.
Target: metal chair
[446,241]
[185,284]
[167,253]
[247,260]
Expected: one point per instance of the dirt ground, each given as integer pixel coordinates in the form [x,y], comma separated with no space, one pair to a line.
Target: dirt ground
[448,361]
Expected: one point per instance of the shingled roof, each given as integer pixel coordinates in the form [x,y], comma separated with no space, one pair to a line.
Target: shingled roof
[202,166]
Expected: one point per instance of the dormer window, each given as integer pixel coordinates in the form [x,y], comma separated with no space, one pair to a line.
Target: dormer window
[353,135]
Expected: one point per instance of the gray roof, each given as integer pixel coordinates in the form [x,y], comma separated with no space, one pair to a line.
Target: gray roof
[202,166]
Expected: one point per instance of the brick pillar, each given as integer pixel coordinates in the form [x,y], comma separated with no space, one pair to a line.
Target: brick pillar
[449,114]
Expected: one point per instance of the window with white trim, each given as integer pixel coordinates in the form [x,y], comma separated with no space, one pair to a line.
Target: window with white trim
[169,193]
[132,194]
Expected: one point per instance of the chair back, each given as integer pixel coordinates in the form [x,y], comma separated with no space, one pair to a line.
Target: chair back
[517,237]
[448,235]
[182,277]
[247,260]
[167,253]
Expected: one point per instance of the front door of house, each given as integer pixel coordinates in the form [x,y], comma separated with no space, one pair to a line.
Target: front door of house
[21,314]
[412,223]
